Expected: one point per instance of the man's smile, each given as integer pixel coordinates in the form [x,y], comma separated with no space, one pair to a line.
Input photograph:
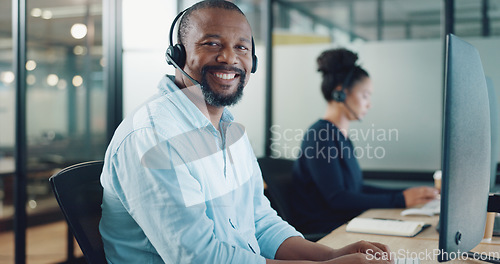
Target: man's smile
[225,76]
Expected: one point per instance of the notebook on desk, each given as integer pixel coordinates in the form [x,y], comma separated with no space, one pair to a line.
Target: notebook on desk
[390,227]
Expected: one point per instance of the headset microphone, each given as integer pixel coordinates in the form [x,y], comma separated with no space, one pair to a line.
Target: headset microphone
[352,111]
[171,61]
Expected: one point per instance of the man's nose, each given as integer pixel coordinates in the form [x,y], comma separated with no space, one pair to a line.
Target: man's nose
[227,55]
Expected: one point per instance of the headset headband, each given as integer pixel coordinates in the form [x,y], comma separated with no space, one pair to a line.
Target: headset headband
[348,77]
[173,25]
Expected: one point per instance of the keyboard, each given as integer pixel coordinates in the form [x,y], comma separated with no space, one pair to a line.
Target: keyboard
[406,261]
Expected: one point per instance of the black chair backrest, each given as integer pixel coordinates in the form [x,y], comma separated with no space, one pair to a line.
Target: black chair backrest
[277,174]
[79,193]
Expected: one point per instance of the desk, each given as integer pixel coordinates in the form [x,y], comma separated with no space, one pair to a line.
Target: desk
[422,245]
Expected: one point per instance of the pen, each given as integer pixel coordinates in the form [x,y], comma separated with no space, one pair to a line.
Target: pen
[399,220]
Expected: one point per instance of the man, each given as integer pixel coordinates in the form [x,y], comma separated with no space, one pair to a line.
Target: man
[181,182]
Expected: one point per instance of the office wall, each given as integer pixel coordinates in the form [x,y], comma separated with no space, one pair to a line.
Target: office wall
[145,39]
[402,131]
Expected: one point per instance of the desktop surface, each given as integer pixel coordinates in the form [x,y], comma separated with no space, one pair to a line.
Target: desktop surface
[423,246]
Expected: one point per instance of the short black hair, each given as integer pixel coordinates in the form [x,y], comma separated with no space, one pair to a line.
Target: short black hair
[339,68]
[184,23]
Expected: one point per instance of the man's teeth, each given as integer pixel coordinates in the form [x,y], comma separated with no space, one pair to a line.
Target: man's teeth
[225,76]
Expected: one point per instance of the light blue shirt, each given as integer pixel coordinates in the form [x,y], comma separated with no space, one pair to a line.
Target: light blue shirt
[176,190]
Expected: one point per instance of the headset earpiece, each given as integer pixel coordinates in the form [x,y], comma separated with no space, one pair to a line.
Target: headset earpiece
[254,63]
[339,95]
[177,54]
[254,58]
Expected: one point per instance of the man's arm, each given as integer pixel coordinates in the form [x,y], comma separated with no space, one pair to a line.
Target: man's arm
[295,248]
[298,248]
[169,206]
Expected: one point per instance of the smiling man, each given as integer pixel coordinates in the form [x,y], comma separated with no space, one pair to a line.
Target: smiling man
[181,182]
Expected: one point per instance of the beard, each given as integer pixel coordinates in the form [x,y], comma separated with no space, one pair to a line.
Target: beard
[216,99]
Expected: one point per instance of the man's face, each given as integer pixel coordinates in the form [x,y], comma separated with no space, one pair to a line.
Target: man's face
[219,53]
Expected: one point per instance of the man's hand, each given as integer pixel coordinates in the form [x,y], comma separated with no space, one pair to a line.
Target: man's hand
[359,258]
[368,252]
[419,195]
[297,248]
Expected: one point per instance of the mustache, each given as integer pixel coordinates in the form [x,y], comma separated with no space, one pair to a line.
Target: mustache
[207,68]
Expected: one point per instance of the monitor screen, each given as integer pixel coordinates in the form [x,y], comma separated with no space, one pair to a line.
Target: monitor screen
[466,151]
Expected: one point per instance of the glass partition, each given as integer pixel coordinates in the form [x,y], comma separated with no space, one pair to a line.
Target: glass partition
[66,108]
[6,117]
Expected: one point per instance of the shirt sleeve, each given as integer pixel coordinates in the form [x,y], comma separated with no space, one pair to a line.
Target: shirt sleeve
[332,186]
[270,229]
[375,189]
[157,203]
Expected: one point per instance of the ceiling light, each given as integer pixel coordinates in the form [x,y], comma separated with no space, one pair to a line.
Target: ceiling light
[30,65]
[36,12]
[79,50]
[77,81]
[7,77]
[52,79]
[46,14]
[78,31]
[30,79]
[62,84]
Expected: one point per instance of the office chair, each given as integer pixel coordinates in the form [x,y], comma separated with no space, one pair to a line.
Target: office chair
[277,174]
[79,193]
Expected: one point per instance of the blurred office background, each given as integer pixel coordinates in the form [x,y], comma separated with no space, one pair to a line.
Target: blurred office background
[90,62]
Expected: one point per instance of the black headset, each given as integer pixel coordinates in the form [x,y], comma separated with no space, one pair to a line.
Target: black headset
[340,95]
[176,54]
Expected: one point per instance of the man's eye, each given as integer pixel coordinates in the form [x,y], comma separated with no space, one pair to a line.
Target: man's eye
[242,47]
[210,44]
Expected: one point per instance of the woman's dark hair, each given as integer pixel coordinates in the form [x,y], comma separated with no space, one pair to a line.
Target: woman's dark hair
[338,67]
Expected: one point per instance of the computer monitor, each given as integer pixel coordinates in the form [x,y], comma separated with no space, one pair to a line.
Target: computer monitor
[466,151]
[494,132]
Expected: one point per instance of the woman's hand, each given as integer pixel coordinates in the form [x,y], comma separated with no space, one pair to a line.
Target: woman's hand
[419,195]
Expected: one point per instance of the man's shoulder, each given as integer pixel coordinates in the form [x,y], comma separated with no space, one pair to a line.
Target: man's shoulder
[156,118]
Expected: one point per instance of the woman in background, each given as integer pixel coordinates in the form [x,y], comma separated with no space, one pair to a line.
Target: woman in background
[329,188]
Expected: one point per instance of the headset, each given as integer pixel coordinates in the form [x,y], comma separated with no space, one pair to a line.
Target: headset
[340,95]
[176,54]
